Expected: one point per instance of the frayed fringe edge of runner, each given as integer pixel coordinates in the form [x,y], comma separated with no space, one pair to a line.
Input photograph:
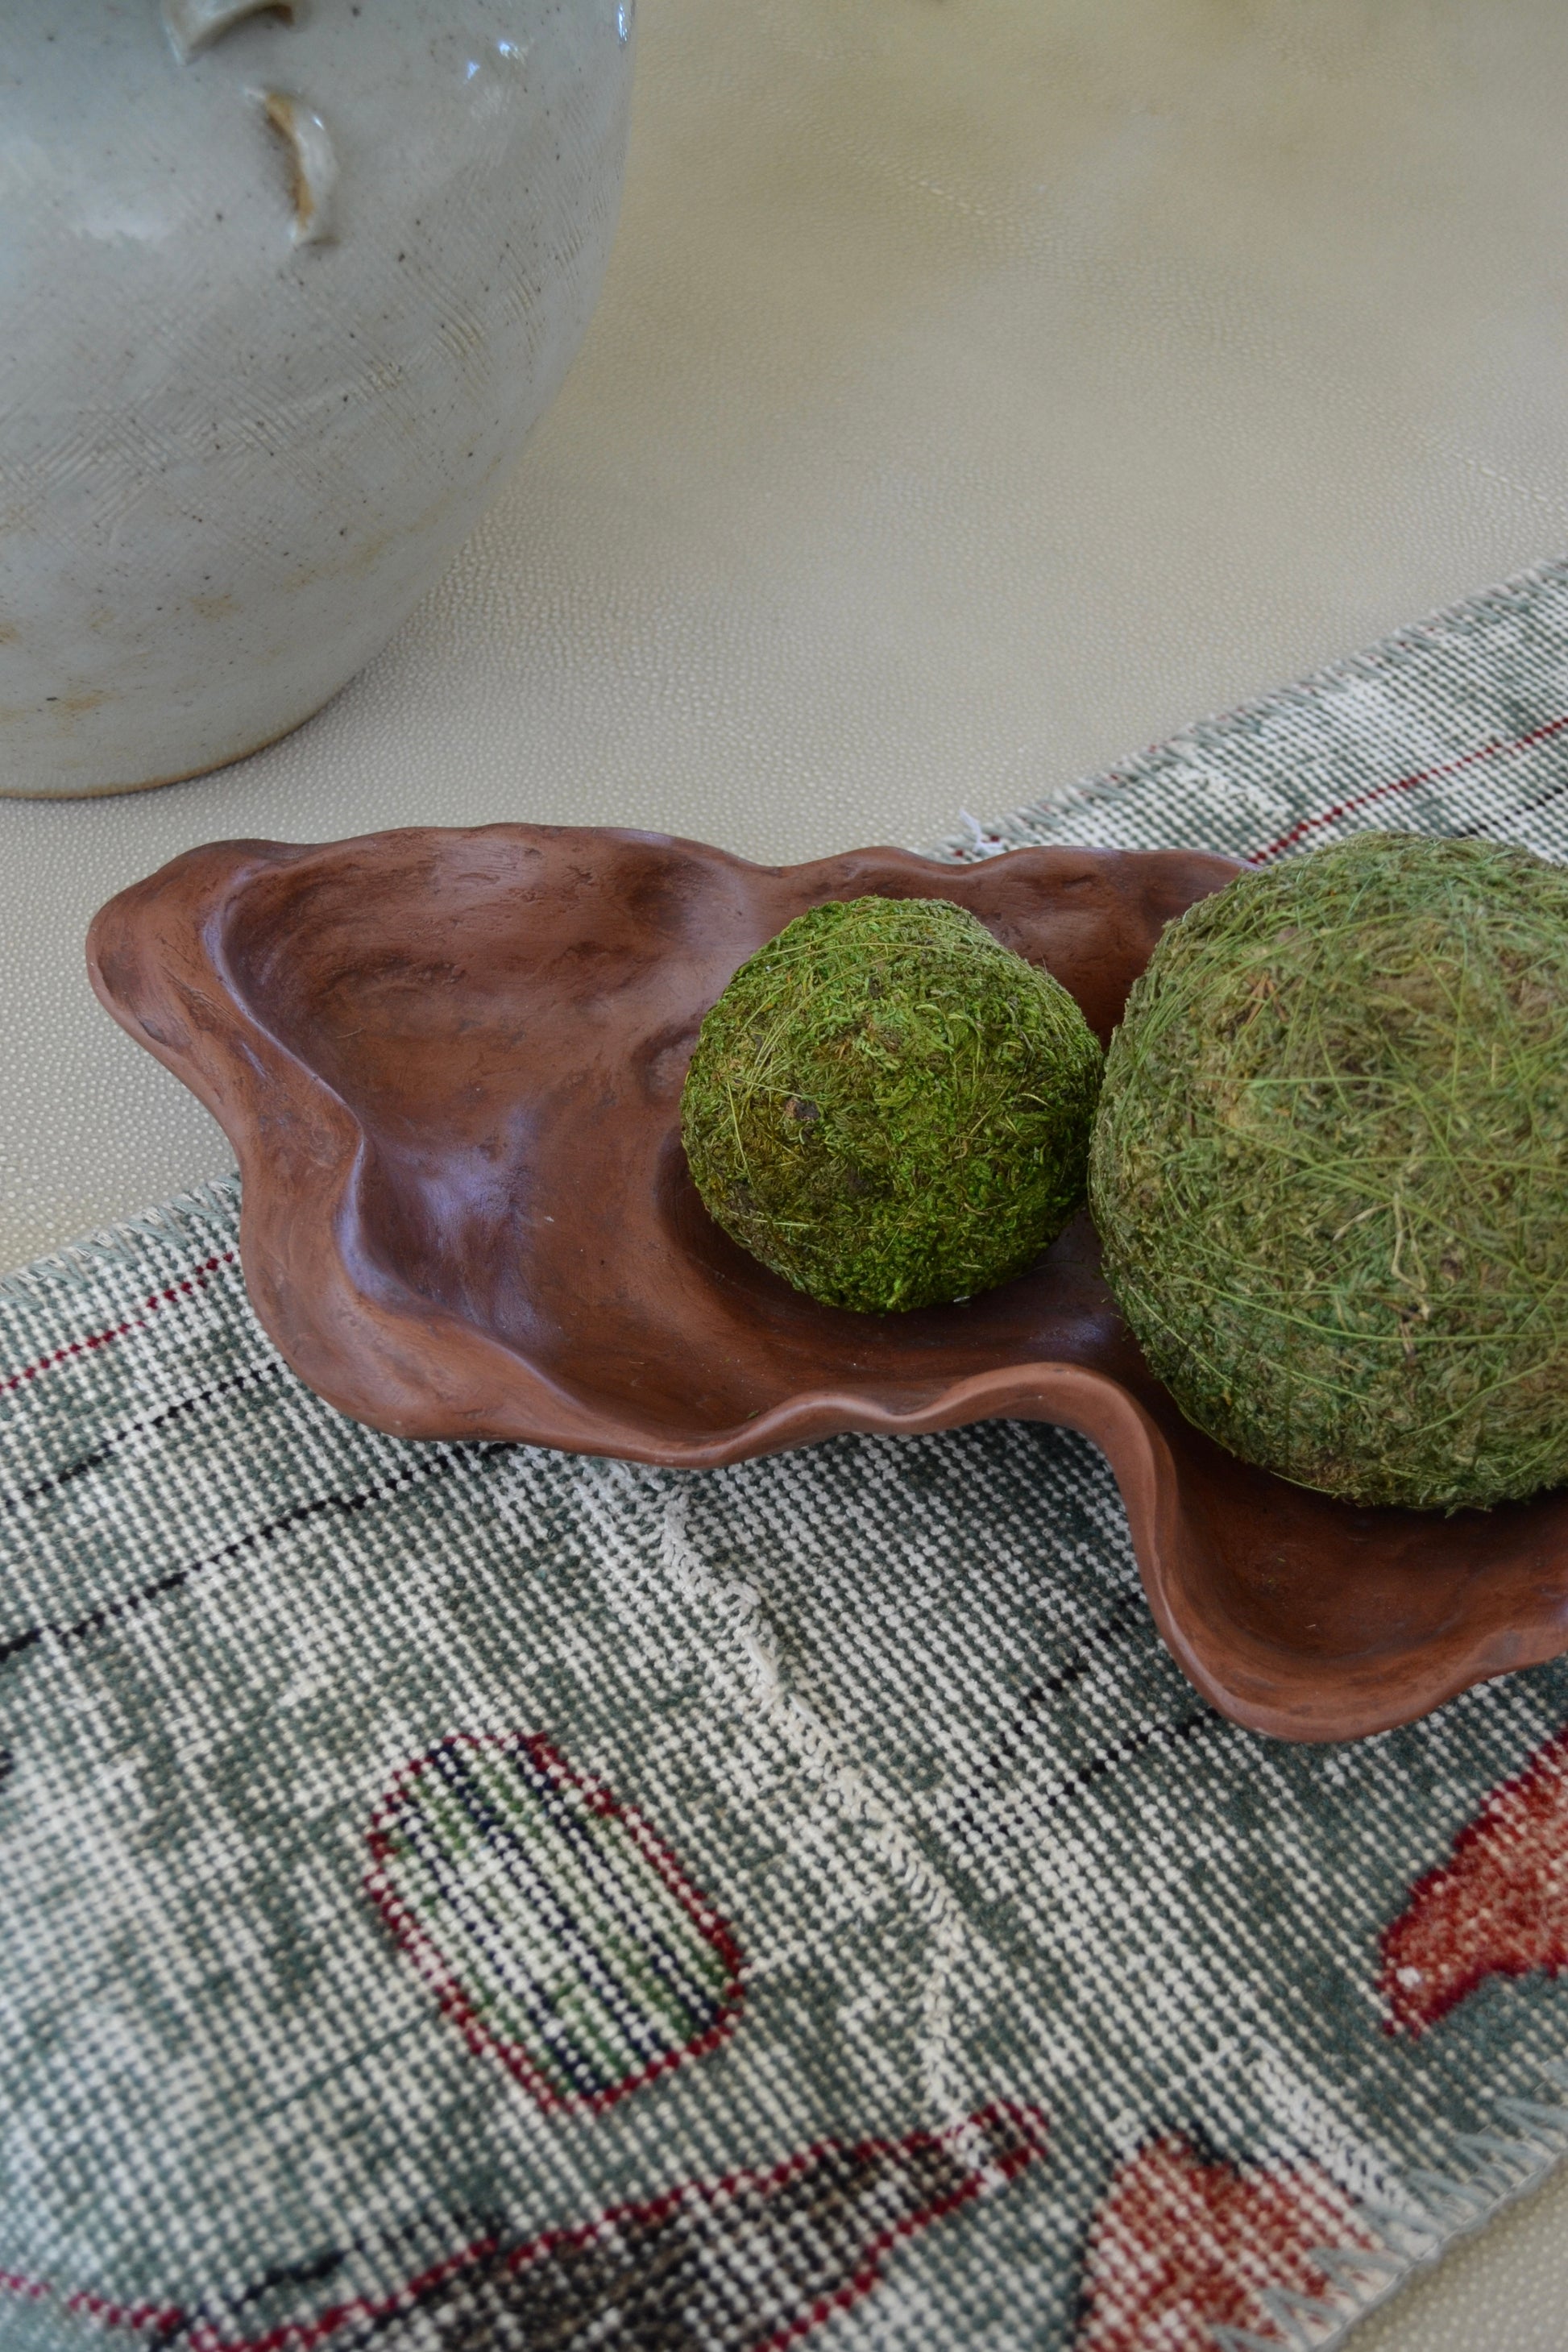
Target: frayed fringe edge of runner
[77,1263]
[1022,828]
[1507,2166]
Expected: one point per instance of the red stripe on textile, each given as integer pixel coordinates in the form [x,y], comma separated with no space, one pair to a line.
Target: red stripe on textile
[188,1286]
[1406,785]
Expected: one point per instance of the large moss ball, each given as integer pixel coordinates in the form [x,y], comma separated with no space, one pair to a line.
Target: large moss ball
[1330,1169]
[889,1108]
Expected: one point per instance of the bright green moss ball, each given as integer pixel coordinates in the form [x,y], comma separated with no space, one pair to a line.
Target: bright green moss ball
[1330,1169]
[889,1108]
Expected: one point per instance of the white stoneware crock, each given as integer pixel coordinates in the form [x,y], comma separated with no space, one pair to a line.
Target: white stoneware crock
[282,292]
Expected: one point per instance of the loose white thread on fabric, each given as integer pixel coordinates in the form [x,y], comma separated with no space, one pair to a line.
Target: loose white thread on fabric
[810,1740]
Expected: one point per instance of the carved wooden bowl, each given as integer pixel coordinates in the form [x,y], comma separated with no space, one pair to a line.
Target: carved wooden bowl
[450,1064]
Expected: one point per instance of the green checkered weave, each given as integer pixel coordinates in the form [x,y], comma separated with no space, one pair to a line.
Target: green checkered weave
[461,1895]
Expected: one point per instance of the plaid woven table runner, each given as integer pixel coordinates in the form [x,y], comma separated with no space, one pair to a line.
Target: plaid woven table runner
[468,1896]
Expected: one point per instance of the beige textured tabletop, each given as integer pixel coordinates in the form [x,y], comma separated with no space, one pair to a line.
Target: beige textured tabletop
[982,389]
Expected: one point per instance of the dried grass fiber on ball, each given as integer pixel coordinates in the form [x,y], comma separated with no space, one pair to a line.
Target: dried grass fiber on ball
[889,1108]
[1331,1170]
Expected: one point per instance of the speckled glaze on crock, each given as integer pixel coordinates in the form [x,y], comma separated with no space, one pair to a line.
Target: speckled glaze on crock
[281,294]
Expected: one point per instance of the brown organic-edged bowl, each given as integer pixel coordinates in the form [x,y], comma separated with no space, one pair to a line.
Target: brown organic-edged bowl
[450,1065]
